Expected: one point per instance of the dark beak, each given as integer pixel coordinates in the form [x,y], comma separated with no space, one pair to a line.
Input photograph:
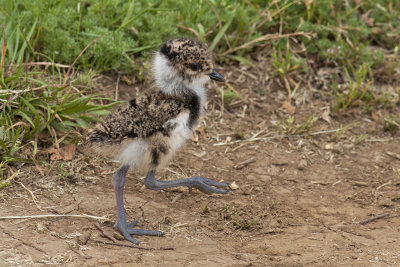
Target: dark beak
[216,76]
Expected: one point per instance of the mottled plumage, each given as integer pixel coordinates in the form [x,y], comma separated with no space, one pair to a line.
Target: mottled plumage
[143,117]
[146,132]
[149,119]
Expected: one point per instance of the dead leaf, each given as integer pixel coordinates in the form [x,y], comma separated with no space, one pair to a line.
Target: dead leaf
[289,107]
[201,132]
[325,115]
[54,154]
[65,153]
[68,151]
[369,21]
[375,116]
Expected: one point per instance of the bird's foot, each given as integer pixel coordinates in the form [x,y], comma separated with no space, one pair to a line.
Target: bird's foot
[205,185]
[127,230]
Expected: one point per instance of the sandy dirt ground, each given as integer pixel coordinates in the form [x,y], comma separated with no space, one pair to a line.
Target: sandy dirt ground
[296,200]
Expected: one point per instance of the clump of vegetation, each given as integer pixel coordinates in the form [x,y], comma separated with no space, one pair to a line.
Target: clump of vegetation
[359,90]
[238,217]
[6,182]
[229,95]
[391,123]
[285,62]
[289,127]
[35,105]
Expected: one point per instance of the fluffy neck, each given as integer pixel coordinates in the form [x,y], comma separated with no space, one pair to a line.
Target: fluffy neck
[170,82]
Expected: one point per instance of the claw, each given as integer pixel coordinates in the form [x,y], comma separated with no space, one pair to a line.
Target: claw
[206,185]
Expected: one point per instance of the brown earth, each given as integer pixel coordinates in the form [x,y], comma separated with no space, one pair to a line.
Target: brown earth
[299,202]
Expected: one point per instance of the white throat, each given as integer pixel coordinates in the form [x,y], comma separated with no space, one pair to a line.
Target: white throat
[170,82]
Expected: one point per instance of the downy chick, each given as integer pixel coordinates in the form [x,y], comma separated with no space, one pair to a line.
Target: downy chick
[147,132]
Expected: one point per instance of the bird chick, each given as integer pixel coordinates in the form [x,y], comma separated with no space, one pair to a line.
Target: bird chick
[147,132]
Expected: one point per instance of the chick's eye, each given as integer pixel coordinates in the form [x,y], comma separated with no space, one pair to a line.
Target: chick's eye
[195,66]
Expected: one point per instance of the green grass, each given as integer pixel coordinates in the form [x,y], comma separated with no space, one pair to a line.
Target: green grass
[289,127]
[360,89]
[391,123]
[37,108]
[239,218]
[229,95]
[346,33]
[361,92]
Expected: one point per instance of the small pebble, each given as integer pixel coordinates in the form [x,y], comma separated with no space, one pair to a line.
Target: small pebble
[233,186]
[329,146]
[83,239]
[302,164]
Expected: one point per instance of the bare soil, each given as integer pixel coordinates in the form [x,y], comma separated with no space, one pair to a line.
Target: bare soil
[299,199]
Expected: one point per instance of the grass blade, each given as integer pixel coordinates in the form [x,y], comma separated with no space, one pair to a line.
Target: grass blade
[221,33]
[3,51]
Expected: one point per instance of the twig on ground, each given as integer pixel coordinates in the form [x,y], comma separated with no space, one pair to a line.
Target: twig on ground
[327,131]
[320,182]
[393,155]
[105,233]
[53,216]
[32,195]
[359,183]
[382,185]
[337,182]
[243,164]
[382,139]
[374,218]
[122,245]
[251,139]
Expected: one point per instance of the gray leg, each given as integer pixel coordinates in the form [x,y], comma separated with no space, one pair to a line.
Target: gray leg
[121,225]
[203,184]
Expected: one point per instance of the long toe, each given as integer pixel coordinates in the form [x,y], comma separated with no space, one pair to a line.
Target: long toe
[207,185]
[129,238]
[212,182]
[145,232]
[209,190]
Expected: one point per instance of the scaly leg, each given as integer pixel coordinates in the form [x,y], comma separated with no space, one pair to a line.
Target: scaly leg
[203,184]
[121,225]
